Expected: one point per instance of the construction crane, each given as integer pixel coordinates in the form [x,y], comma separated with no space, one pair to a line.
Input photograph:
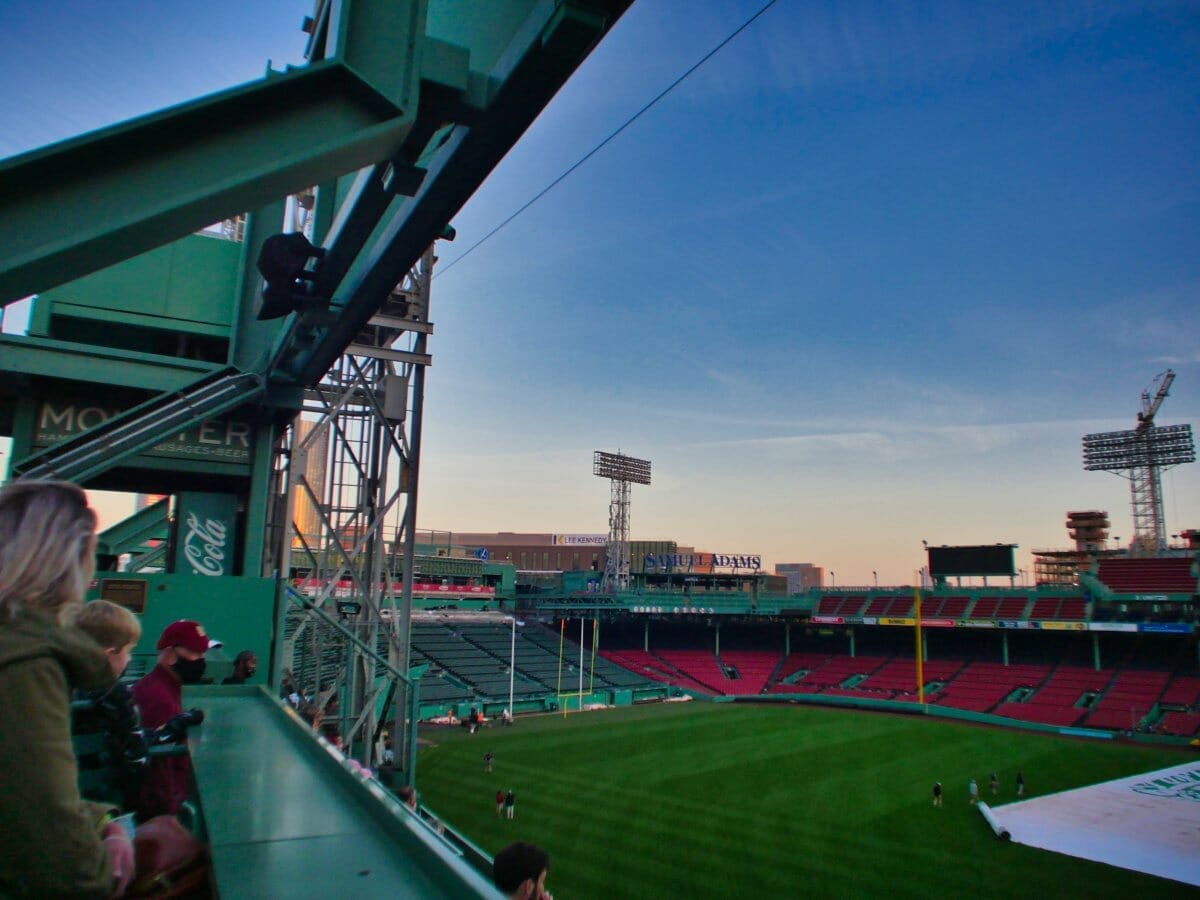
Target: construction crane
[1143,453]
[1149,407]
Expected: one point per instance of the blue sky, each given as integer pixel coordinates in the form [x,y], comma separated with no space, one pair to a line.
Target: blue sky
[863,279]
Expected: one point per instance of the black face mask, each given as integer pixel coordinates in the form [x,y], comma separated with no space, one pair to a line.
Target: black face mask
[190,671]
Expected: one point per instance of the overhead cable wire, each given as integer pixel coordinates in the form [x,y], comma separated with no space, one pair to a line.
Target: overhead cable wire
[600,146]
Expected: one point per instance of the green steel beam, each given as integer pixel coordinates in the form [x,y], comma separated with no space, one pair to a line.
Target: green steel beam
[456,146]
[47,358]
[82,204]
[101,448]
[128,535]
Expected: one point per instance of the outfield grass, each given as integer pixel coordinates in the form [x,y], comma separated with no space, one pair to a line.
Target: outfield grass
[717,800]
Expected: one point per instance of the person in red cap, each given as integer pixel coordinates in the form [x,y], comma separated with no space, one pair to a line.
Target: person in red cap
[159,698]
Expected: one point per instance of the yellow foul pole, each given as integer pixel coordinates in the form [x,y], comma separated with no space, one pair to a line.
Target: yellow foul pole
[920,660]
[562,630]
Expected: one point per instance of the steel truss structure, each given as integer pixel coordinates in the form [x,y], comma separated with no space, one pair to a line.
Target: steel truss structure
[622,471]
[350,469]
[1144,452]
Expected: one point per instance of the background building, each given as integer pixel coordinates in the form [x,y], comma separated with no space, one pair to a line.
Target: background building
[800,576]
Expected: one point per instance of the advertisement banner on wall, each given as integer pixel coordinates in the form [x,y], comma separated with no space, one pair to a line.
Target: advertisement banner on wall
[213,440]
[204,534]
[579,540]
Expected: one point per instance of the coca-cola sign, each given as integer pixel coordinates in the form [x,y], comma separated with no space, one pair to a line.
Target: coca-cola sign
[205,539]
[204,546]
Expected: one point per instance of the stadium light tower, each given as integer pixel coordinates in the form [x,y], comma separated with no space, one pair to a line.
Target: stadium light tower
[1143,452]
[622,471]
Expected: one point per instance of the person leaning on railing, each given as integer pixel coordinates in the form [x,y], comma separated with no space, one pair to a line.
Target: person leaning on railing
[53,843]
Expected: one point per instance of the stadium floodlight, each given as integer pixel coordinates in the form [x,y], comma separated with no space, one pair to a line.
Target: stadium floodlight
[620,467]
[621,471]
[1117,451]
[1142,453]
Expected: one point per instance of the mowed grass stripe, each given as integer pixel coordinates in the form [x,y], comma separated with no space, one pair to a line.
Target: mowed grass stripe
[705,800]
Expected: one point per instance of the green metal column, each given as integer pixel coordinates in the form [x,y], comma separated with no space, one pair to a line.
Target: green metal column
[258,503]
[718,646]
[250,340]
[646,636]
[787,638]
[924,645]
[1004,646]
[25,413]
[1096,651]
[852,653]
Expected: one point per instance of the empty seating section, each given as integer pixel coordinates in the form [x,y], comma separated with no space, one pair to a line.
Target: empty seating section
[982,685]
[828,677]
[754,668]
[878,606]
[1044,609]
[1053,701]
[828,606]
[1006,607]
[1073,608]
[985,608]
[1172,575]
[1183,690]
[796,662]
[954,607]
[471,661]
[900,676]
[654,666]
[1011,607]
[1065,717]
[701,666]
[1184,724]
[852,606]
[1128,700]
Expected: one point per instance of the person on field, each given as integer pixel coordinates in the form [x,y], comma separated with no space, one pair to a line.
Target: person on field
[973,791]
[487,761]
[499,803]
[510,805]
[937,793]
[1020,785]
[995,782]
[519,871]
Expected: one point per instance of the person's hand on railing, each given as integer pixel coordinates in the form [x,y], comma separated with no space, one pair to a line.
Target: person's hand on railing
[175,728]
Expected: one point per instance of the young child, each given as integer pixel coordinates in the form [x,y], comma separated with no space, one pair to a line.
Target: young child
[113,712]
[114,628]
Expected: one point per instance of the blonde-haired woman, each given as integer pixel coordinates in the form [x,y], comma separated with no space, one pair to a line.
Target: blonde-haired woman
[54,843]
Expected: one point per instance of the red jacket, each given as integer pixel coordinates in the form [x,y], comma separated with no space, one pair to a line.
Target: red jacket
[159,697]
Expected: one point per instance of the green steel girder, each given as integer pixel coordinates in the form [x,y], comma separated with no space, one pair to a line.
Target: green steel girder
[129,433]
[462,145]
[48,358]
[128,535]
[77,206]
